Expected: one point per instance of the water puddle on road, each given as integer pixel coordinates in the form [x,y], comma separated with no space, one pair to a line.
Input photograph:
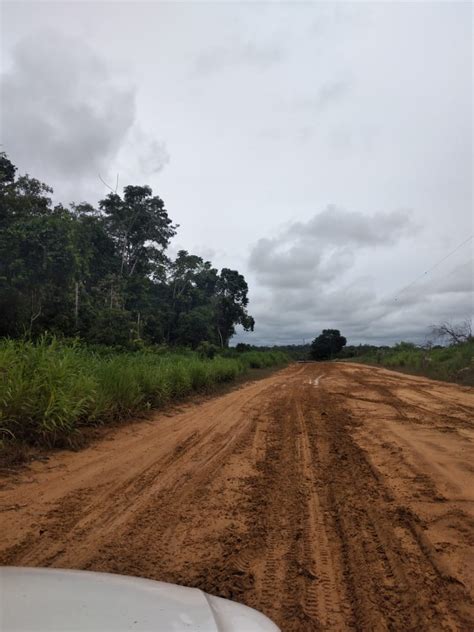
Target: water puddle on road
[315,381]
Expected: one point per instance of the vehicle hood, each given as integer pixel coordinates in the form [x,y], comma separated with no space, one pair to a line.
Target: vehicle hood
[37,599]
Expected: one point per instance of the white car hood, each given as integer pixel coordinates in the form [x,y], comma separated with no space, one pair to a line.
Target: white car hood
[40,600]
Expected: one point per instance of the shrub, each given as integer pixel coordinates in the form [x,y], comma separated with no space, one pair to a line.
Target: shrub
[454,363]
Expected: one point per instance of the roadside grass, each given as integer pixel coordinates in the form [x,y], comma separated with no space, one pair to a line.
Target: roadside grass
[451,364]
[49,390]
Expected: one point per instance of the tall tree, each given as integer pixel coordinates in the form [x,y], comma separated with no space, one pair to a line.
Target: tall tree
[231,305]
[139,225]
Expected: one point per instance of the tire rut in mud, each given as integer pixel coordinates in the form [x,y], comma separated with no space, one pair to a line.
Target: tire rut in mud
[393,582]
[276,506]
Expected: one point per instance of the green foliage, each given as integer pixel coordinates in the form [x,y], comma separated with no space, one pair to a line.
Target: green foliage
[50,389]
[294,352]
[231,302]
[358,351]
[103,274]
[454,363]
[45,390]
[195,326]
[262,359]
[327,345]
[207,350]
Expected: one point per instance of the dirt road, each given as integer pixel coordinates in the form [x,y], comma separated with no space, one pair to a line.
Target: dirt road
[330,496]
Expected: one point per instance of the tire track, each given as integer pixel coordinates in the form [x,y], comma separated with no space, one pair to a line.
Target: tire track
[319,598]
[265,496]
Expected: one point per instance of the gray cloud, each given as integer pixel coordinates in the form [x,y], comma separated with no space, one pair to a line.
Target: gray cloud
[67,118]
[325,99]
[308,277]
[322,249]
[236,54]
[337,226]
[460,279]
[454,288]
[329,94]
[61,108]
[141,155]
[288,317]
[266,108]
[152,156]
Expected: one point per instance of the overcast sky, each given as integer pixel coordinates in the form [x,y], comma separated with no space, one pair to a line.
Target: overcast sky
[323,150]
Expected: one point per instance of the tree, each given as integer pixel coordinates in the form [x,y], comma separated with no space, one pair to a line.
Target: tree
[327,345]
[103,273]
[112,327]
[242,347]
[7,169]
[139,225]
[455,334]
[191,284]
[195,326]
[37,259]
[231,305]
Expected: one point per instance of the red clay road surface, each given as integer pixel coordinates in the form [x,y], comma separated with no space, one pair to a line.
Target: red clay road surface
[329,496]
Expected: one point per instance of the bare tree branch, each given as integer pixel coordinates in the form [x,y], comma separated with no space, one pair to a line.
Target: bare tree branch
[456,334]
[108,185]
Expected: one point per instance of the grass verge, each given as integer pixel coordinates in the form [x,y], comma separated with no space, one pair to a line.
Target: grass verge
[450,364]
[50,391]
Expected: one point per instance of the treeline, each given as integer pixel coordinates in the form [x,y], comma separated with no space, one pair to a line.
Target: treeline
[102,274]
[358,351]
[303,351]
[293,352]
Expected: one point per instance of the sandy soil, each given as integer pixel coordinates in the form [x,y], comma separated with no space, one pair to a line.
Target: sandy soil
[330,496]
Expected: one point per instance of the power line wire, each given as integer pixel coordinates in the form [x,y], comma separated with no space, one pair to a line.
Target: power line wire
[434,266]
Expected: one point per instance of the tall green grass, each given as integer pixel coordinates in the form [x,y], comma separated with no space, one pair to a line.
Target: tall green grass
[50,390]
[452,364]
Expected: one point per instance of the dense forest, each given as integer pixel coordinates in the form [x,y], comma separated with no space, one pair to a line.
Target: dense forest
[102,273]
